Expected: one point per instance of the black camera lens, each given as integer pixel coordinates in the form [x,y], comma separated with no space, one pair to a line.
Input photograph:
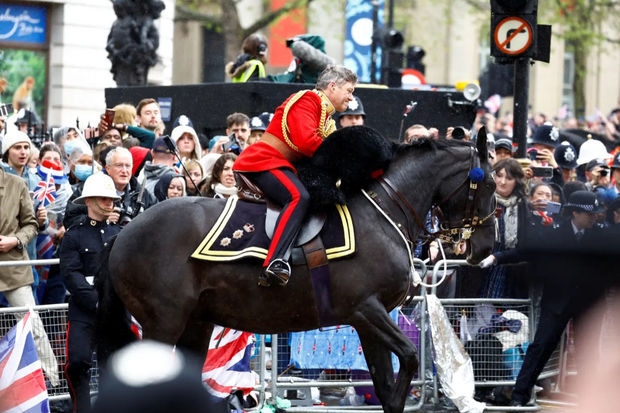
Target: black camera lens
[603,172]
[533,154]
[458,133]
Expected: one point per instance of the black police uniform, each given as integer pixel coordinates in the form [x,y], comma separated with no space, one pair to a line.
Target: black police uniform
[572,282]
[80,258]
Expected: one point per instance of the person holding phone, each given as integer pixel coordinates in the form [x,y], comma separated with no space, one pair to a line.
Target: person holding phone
[542,206]
[543,166]
[123,117]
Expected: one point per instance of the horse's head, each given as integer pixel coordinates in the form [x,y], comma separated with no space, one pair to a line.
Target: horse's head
[467,203]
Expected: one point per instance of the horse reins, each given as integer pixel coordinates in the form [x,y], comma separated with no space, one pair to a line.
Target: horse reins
[447,231]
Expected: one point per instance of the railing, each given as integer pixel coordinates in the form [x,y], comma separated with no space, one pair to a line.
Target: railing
[425,388]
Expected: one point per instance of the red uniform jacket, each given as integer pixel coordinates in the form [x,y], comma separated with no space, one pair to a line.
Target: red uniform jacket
[301,123]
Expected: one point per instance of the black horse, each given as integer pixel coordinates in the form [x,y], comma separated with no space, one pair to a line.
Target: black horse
[178,299]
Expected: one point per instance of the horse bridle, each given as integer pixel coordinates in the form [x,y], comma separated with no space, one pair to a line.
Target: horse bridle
[452,231]
[471,220]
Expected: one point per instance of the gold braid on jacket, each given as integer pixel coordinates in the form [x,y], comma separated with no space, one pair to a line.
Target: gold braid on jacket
[326,125]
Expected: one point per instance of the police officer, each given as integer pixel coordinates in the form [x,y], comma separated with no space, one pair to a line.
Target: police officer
[353,115]
[79,261]
[562,257]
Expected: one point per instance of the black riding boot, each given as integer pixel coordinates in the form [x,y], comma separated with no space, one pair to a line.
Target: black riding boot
[278,271]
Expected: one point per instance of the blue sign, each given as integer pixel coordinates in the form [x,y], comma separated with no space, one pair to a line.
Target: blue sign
[358,41]
[24,24]
[165,108]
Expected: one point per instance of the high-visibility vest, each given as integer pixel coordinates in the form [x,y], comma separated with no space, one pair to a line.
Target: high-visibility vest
[247,73]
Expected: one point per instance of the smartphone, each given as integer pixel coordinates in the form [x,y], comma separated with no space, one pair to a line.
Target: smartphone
[553,207]
[109,116]
[542,171]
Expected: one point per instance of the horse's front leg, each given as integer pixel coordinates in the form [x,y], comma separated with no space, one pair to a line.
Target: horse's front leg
[196,337]
[380,337]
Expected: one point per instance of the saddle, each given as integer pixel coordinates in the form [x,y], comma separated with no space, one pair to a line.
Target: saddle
[250,192]
[243,231]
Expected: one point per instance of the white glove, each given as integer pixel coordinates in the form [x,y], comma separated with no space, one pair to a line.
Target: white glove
[487,262]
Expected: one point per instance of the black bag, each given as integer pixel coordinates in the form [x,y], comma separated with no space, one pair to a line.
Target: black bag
[486,353]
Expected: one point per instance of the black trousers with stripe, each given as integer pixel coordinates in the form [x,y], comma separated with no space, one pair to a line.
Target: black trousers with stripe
[283,187]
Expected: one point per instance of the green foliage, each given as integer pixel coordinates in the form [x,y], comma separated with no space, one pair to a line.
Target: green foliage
[16,65]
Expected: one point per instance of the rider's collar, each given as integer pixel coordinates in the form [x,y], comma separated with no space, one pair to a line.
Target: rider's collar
[325,102]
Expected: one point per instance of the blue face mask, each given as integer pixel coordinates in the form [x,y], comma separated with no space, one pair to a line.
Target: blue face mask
[82,172]
[69,146]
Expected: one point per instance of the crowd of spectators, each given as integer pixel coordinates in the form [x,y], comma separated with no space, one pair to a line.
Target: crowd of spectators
[148,164]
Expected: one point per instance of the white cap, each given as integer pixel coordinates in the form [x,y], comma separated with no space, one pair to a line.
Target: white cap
[592,149]
[12,137]
[95,185]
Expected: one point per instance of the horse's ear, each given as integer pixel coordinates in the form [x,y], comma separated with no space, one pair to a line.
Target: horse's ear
[481,145]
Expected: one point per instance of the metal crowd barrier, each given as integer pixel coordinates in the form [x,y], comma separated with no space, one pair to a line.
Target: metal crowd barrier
[290,383]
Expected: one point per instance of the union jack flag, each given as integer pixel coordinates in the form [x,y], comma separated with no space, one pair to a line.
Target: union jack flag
[22,386]
[227,366]
[46,191]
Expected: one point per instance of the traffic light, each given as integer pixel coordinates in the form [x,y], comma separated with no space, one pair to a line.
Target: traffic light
[513,28]
[415,54]
[392,56]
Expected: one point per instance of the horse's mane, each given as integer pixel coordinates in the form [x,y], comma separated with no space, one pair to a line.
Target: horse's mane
[355,156]
[430,145]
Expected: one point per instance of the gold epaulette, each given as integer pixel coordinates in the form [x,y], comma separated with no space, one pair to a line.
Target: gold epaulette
[326,125]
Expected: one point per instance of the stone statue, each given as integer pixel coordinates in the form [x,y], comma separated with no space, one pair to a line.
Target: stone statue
[133,40]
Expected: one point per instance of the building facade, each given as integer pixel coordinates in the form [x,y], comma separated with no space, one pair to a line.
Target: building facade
[72,68]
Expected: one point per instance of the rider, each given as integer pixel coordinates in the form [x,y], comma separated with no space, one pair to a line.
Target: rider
[298,127]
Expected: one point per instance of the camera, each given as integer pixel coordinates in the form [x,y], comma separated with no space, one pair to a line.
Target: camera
[542,171]
[232,145]
[532,153]
[459,133]
[126,215]
[603,172]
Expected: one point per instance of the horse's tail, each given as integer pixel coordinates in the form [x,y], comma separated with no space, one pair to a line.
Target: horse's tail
[113,324]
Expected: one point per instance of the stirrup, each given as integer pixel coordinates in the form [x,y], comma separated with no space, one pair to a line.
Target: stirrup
[263,280]
[279,271]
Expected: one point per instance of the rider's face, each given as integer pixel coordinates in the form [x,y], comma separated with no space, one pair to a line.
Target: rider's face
[340,96]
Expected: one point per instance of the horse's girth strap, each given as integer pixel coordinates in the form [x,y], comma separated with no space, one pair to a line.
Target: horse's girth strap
[314,251]
[316,259]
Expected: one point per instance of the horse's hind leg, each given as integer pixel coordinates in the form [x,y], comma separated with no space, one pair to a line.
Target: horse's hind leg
[380,336]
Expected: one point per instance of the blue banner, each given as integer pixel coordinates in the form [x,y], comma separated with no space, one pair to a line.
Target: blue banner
[24,24]
[339,347]
[358,41]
